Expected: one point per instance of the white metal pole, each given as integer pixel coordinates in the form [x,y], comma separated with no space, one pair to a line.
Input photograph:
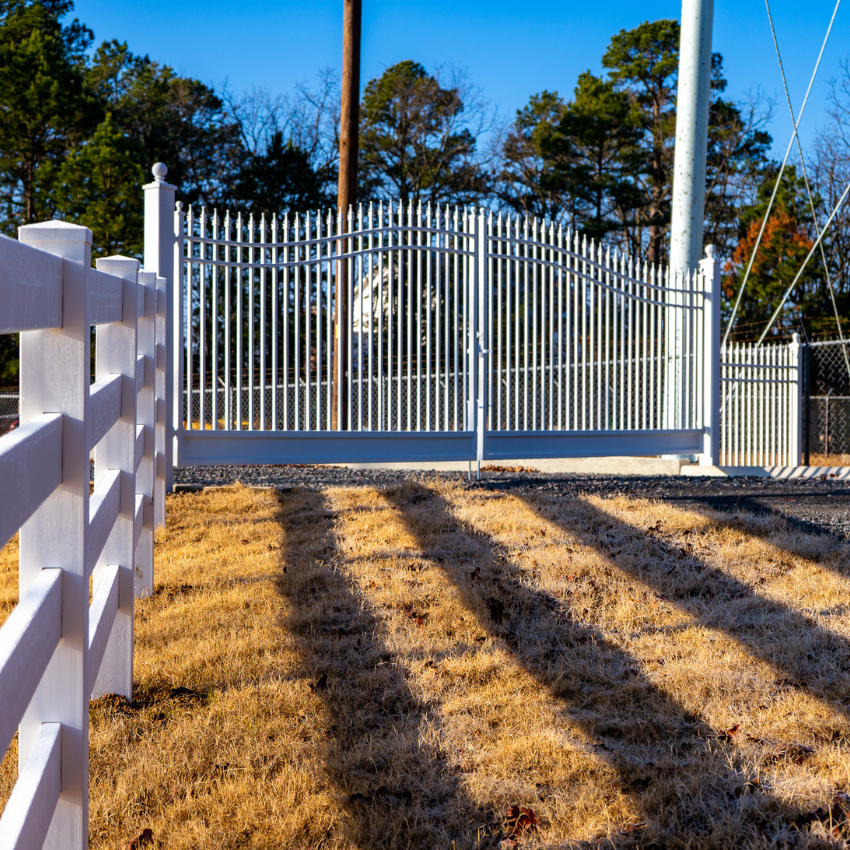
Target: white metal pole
[689,160]
[692,102]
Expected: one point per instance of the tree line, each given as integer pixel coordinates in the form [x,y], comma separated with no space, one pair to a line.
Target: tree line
[82,123]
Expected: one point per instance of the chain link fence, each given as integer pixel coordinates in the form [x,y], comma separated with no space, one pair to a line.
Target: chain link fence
[827,400]
[8,410]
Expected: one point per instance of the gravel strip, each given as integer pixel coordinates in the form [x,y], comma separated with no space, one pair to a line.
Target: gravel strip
[813,505]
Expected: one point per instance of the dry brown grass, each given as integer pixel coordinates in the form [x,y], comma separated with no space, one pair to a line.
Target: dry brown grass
[398,668]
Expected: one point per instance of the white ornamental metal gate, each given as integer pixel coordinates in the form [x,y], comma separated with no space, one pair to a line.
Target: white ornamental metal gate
[469,336]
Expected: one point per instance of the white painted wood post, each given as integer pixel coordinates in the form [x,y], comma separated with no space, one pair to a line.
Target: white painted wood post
[160,405]
[146,419]
[710,273]
[159,257]
[116,353]
[55,368]
[795,423]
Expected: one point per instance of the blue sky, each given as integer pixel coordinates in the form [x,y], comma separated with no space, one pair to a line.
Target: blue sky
[511,50]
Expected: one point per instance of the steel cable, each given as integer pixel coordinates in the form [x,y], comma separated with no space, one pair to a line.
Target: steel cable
[779,176]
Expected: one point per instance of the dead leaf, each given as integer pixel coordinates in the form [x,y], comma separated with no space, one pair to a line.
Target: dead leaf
[729,734]
[321,684]
[634,827]
[359,798]
[245,541]
[145,837]
[519,819]
[475,574]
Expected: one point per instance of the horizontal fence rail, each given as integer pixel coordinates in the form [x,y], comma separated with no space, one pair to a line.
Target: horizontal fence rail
[57,650]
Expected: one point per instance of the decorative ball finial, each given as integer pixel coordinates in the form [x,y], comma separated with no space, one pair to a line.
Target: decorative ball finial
[709,251]
[179,206]
[159,170]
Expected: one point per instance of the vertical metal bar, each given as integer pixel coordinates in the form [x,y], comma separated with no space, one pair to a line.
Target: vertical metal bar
[251,351]
[400,330]
[214,377]
[262,254]
[329,317]
[202,317]
[358,262]
[308,278]
[275,324]
[228,408]
[318,310]
[240,329]
[296,310]
[370,277]
[287,322]
[349,295]
[380,369]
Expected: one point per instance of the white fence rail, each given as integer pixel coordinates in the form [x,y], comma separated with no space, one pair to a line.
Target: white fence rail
[56,649]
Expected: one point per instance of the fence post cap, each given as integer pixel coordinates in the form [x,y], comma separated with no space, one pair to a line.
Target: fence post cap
[709,252]
[117,262]
[54,231]
[159,170]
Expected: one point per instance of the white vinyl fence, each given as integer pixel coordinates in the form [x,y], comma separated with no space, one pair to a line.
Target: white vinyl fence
[57,650]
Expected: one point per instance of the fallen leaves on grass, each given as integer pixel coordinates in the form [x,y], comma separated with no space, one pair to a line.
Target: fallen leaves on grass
[519,819]
[144,838]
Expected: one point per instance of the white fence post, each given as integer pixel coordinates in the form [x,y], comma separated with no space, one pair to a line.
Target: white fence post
[146,419]
[710,271]
[54,378]
[795,424]
[159,257]
[161,361]
[116,353]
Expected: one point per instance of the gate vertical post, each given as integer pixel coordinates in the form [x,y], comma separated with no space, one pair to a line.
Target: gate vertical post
[116,352]
[55,377]
[710,274]
[160,257]
[795,425]
[806,389]
[481,336]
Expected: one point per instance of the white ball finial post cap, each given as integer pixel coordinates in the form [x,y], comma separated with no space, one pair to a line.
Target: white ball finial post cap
[159,170]
[709,252]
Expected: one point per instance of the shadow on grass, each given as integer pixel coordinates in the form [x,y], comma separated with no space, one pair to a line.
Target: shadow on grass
[380,754]
[690,785]
[802,652]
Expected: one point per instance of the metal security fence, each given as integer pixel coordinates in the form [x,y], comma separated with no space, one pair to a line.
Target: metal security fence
[466,335]
[828,404]
[761,413]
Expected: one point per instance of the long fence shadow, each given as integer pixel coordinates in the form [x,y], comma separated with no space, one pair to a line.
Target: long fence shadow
[768,505]
[687,781]
[398,789]
[805,654]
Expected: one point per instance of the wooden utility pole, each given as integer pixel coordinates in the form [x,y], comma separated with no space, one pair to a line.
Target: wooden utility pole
[349,130]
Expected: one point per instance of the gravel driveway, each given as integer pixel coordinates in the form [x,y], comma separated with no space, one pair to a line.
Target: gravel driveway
[814,505]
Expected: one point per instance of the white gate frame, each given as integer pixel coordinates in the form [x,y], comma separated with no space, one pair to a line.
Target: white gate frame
[164,252]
